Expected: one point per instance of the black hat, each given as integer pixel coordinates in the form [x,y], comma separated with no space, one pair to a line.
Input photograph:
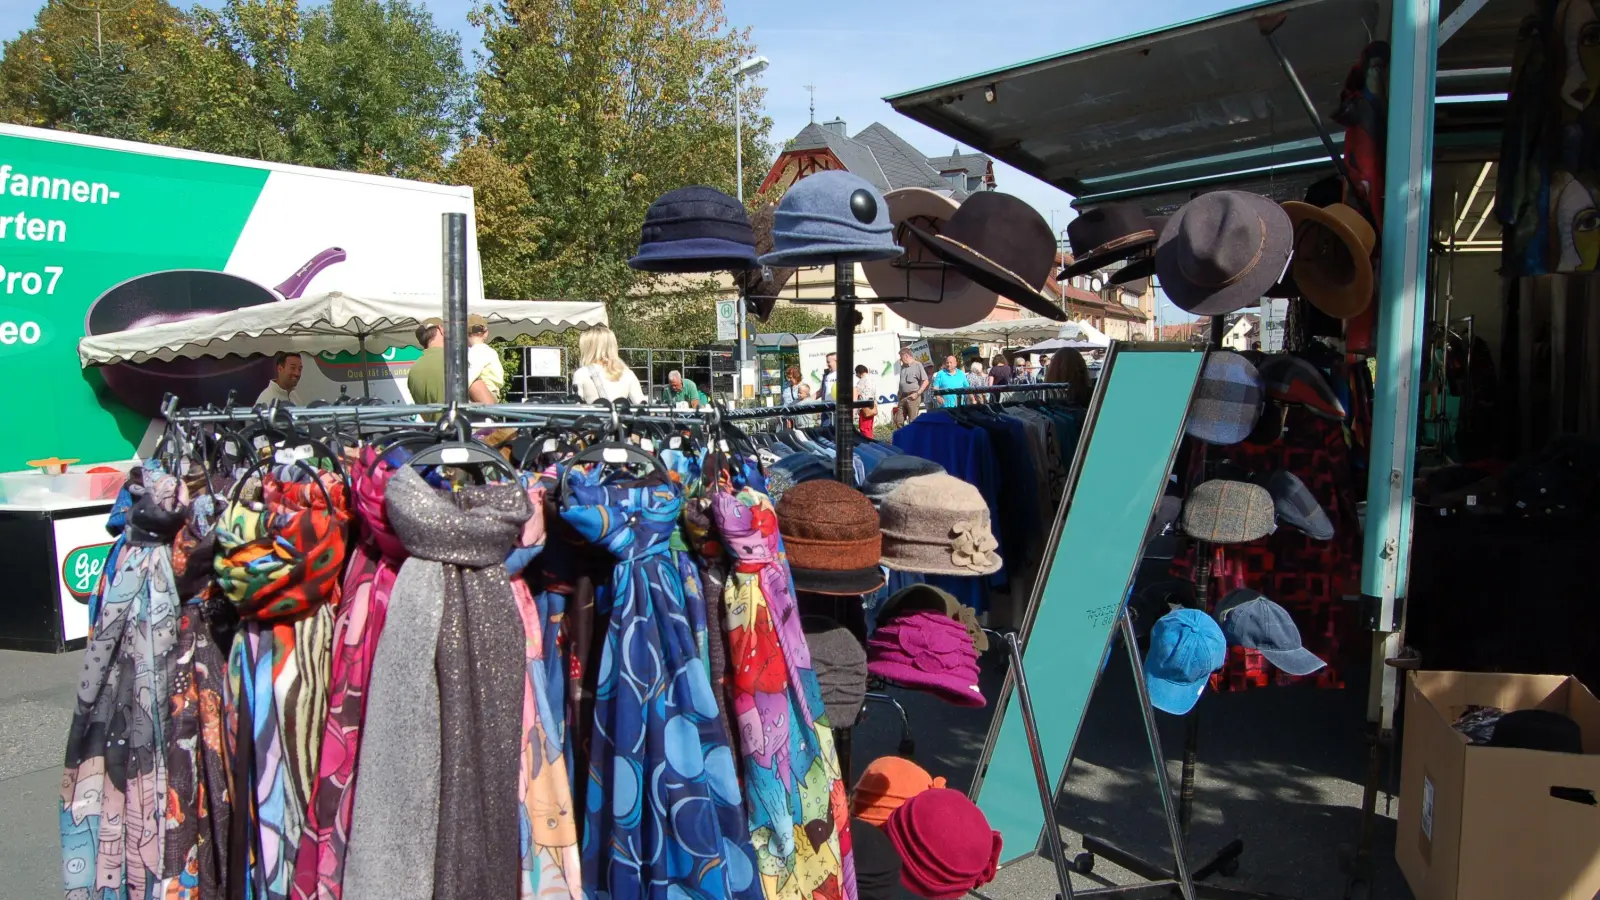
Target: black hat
[1537,729]
[840,663]
[695,229]
[1222,251]
[1143,263]
[1105,234]
[877,862]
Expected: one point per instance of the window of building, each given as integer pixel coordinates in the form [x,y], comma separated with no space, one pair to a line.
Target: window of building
[974,183]
[877,321]
[957,180]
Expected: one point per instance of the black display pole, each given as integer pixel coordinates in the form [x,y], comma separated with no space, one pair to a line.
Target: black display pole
[455,307]
[844,327]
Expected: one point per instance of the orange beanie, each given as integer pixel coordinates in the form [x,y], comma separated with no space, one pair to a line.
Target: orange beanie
[887,783]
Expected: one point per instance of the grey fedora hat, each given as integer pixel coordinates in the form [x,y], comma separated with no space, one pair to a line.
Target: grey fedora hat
[831,217]
[1222,251]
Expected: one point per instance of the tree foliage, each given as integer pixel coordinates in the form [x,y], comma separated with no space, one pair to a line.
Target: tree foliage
[598,107]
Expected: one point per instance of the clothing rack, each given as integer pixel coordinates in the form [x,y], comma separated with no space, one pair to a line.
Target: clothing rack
[1005,388]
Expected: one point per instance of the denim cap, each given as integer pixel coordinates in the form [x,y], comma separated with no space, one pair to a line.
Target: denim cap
[1251,620]
[695,229]
[831,217]
[1186,646]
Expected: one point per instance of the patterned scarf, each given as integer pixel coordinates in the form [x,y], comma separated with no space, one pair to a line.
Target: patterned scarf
[115,780]
[277,561]
[369,579]
[670,824]
[798,816]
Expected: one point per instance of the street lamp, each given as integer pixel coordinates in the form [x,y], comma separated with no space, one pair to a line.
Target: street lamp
[750,67]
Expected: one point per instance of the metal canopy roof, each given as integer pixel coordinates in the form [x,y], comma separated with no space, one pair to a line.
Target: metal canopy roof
[1202,99]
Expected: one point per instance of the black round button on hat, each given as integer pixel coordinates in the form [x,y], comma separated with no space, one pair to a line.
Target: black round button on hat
[863,206]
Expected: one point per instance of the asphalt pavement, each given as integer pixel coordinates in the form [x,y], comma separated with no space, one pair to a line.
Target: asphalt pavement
[1281,769]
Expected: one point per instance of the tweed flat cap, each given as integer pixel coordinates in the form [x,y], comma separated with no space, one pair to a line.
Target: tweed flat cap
[1228,512]
[1227,401]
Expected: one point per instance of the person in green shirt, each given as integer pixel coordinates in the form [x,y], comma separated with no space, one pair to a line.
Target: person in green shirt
[681,391]
[426,381]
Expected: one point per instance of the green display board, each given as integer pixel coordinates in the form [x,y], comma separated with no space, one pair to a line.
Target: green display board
[1130,438]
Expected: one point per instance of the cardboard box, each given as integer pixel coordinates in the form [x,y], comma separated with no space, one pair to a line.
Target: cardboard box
[1490,823]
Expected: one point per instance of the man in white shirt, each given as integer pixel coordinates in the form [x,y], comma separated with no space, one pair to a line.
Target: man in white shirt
[830,381]
[285,379]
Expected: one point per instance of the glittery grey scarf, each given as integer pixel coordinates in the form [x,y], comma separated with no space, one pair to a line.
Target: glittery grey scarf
[435,808]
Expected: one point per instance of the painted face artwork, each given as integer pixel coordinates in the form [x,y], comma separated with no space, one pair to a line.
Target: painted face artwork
[1577,224]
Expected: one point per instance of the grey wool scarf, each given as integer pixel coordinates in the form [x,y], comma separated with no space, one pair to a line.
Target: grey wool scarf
[436,815]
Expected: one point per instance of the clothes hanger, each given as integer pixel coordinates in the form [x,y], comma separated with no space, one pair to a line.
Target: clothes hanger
[462,452]
[614,452]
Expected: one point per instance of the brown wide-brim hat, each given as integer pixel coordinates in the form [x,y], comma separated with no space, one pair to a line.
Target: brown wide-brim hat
[1332,257]
[1003,244]
[1142,263]
[1221,251]
[1117,230]
[929,292]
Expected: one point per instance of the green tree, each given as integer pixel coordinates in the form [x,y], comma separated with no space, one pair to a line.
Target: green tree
[92,67]
[598,107]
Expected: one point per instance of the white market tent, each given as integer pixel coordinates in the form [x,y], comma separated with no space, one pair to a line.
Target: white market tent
[1073,336]
[329,322]
[1001,330]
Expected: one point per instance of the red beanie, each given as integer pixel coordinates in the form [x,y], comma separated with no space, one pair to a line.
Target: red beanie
[946,845]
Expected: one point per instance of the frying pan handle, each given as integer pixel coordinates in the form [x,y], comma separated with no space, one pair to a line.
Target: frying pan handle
[296,284]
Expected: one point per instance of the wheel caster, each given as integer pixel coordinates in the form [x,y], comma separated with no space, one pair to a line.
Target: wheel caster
[1229,868]
[1083,863]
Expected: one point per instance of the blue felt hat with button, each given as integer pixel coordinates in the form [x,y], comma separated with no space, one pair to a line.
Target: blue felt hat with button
[831,217]
[1186,646]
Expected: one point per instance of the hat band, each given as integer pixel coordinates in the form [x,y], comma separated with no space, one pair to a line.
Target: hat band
[1115,244]
[979,254]
[1235,278]
[837,556]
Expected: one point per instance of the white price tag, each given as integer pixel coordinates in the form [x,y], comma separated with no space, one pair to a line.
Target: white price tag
[615,455]
[1472,499]
[550,445]
[675,442]
[647,445]
[230,448]
[290,455]
[454,456]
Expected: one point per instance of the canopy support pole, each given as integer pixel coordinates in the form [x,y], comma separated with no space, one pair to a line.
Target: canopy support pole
[366,381]
[455,306]
[1268,25]
[844,326]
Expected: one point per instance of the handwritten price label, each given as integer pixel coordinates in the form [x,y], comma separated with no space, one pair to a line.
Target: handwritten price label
[80,571]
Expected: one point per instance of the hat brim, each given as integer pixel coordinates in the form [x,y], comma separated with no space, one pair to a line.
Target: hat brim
[694,255]
[923,569]
[1109,252]
[827,254]
[1174,697]
[1342,301]
[1139,268]
[917,287]
[945,687]
[1249,288]
[838,582]
[1298,661]
[990,274]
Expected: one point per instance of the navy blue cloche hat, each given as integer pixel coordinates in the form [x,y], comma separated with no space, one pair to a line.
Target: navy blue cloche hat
[695,229]
[831,217]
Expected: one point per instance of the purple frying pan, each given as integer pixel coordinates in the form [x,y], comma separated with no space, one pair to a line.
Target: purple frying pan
[178,294]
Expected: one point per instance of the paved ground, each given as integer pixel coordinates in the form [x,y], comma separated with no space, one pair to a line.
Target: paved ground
[1280,768]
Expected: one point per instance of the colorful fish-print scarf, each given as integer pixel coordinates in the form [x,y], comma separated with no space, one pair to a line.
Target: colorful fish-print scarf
[115,780]
[798,817]
[663,817]
[368,581]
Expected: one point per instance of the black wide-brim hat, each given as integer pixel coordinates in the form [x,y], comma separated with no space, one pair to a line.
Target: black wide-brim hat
[1003,244]
[1142,263]
[1107,234]
[695,229]
[1221,251]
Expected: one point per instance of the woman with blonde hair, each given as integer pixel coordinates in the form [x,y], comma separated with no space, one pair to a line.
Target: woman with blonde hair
[603,374]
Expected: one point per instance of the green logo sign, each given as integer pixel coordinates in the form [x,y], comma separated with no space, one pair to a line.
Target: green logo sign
[80,571]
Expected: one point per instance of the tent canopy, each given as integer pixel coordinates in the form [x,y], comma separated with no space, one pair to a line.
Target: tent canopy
[1004,330]
[329,322]
[1073,336]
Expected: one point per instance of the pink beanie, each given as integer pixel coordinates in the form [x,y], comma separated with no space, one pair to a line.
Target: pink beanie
[930,651]
[946,845]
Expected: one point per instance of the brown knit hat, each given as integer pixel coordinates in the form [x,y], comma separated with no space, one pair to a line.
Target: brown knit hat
[830,535]
[938,525]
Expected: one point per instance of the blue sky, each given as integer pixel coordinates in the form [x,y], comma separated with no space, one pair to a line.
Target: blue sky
[855,52]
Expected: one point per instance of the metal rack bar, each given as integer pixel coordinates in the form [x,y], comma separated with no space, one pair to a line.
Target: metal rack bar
[1005,388]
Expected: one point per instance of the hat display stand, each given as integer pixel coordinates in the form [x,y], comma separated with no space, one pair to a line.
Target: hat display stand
[1225,861]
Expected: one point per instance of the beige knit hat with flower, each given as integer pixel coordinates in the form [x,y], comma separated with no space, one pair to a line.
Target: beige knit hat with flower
[937,525]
